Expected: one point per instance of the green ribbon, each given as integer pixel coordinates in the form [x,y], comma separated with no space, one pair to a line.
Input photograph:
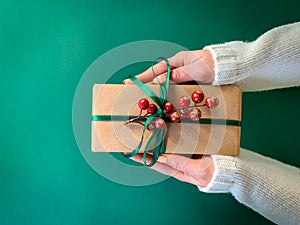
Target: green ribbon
[167,120]
[157,136]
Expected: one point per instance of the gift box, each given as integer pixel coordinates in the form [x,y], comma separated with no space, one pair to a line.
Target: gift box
[216,132]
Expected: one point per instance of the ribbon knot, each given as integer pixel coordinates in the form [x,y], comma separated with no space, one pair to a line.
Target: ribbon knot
[157,136]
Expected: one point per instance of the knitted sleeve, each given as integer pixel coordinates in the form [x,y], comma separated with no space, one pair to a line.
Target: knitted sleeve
[269,187]
[270,62]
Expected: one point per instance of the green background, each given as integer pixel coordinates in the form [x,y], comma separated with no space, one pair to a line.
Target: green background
[46,46]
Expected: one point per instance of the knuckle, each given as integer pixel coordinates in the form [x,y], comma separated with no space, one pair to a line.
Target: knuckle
[175,75]
[181,54]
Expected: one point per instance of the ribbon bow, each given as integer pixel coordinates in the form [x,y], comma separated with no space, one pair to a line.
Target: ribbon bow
[157,135]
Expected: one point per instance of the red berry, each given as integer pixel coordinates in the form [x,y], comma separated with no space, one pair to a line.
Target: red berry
[211,102]
[175,116]
[151,109]
[197,96]
[151,126]
[168,106]
[160,123]
[184,101]
[184,114]
[195,114]
[143,104]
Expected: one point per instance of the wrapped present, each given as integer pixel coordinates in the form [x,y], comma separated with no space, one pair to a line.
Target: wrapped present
[212,125]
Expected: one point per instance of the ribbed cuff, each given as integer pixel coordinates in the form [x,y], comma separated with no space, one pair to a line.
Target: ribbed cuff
[225,58]
[224,173]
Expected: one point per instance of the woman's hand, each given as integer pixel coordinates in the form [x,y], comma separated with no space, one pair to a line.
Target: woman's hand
[186,66]
[195,171]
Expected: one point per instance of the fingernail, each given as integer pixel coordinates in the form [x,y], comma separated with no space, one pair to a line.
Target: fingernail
[162,159]
[159,80]
[125,81]
[155,81]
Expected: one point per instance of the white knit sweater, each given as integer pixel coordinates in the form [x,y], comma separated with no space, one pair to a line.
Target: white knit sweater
[266,185]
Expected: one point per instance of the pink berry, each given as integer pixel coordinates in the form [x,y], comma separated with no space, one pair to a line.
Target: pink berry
[175,116]
[184,114]
[211,102]
[168,106]
[143,104]
[151,126]
[160,123]
[197,96]
[184,101]
[151,109]
[195,114]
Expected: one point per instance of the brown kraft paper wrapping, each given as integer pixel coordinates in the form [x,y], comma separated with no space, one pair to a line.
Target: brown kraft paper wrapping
[181,138]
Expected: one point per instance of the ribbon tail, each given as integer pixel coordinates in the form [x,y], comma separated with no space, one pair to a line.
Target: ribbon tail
[159,147]
[148,145]
[137,149]
[164,88]
[162,148]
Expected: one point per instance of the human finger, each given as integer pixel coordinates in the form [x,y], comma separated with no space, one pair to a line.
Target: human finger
[185,164]
[178,174]
[195,171]
[197,71]
[160,167]
[145,77]
[148,74]
[175,161]
[179,59]
[168,170]
[175,61]
[177,76]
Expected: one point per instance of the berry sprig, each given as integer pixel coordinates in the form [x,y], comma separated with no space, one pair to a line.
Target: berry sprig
[185,110]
